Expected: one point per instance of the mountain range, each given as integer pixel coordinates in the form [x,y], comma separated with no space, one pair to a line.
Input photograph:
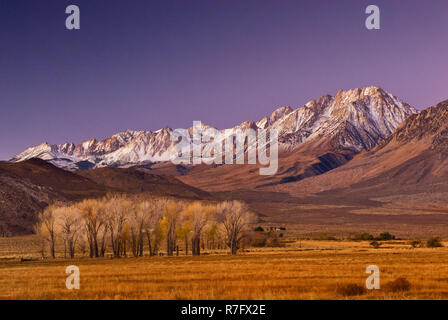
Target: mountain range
[362,158]
[352,120]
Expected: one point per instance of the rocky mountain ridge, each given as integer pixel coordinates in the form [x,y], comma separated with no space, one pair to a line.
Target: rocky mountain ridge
[353,120]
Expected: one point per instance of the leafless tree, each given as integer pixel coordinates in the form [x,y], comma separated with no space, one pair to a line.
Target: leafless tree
[152,211]
[68,220]
[172,213]
[46,227]
[235,218]
[138,221]
[118,208]
[196,215]
[94,220]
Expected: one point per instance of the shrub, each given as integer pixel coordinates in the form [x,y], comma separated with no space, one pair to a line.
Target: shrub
[399,284]
[375,244]
[433,243]
[362,236]
[350,289]
[416,243]
[385,236]
[259,229]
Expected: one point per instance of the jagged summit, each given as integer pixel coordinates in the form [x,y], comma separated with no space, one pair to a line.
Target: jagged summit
[354,120]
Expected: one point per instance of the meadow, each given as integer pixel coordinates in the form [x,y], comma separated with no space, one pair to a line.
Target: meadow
[308,269]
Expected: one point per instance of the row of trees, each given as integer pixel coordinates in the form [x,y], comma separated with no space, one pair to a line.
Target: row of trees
[121,223]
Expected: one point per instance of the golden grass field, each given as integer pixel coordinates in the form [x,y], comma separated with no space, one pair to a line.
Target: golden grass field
[306,270]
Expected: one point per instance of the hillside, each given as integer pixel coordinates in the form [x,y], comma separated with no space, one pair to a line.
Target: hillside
[135,181]
[28,187]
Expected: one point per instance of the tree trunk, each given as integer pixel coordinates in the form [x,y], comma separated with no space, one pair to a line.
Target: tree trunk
[148,236]
[53,256]
[90,248]
[134,244]
[124,247]
[42,249]
[113,242]
[95,245]
[169,249]
[140,244]
[233,245]
[196,245]
[71,248]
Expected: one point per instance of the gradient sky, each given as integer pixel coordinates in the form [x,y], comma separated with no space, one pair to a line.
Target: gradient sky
[143,64]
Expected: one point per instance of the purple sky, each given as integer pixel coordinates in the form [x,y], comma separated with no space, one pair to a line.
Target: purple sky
[145,64]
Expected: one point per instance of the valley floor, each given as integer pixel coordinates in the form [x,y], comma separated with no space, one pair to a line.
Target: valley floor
[302,270]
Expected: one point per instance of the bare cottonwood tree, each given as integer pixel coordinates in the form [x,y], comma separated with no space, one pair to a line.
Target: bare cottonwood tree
[172,213]
[235,218]
[152,210]
[137,222]
[118,208]
[124,239]
[94,221]
[196,215]
[41,235]
[68,220]
[46,227]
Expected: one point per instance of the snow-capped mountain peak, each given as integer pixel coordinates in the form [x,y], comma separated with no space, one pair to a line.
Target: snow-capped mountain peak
[353,120]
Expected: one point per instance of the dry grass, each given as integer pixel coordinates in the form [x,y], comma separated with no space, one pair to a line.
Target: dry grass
[314,271]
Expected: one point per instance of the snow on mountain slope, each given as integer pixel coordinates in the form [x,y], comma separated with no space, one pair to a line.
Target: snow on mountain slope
[352,120]
[355,119]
